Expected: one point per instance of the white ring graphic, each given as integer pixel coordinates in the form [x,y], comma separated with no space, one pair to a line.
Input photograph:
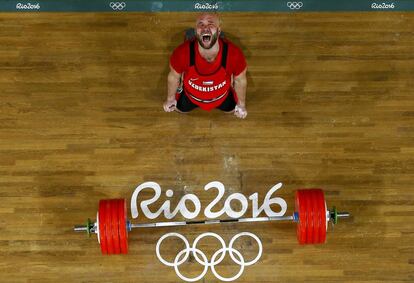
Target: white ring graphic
[205,263]
[235,237]
[242,265]
[209,234]
[294,5]
[187,249]
[184,254]
[117,5]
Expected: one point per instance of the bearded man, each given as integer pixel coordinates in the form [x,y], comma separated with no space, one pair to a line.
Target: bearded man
[212,71]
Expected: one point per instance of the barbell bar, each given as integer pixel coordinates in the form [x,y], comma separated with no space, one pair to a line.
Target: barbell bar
[311,215]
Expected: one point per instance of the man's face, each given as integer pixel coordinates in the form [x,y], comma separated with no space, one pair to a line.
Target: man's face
[207,30]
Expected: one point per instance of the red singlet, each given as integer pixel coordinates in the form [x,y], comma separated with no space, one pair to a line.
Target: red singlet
[207,84]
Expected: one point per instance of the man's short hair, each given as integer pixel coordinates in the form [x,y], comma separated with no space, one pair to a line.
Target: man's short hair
[214,13]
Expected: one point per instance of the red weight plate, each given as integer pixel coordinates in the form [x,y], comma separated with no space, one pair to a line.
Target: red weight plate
[300,207]
[102,223]
[298,224]
[310,204]
[108,227]
[322,217]
[316,216]
[319,217]
[115,226]
[308,197]
[123,233]
[304,212]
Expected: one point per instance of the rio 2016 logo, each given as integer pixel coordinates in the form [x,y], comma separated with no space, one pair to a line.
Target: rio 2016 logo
[226,209]
[27,6]
[382,6]
[206,6]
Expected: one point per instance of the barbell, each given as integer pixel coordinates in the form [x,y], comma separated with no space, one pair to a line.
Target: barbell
[112,225]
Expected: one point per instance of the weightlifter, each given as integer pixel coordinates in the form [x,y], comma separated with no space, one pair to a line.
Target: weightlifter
[211,69]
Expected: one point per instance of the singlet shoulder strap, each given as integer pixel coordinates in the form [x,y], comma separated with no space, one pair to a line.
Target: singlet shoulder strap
[224,55]
[192,53]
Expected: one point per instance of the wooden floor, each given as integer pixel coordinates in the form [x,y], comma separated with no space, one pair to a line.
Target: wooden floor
[331,105]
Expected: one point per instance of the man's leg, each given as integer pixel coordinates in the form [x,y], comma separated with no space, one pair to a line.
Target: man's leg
[183,103]
[229,103]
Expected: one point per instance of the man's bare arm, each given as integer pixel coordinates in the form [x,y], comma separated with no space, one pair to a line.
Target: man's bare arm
[173,83]
[240,86]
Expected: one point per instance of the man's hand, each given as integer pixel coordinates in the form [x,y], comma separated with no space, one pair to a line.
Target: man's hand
[169,105]
[240,111]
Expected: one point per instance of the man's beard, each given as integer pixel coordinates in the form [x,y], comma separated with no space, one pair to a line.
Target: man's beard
[213,40]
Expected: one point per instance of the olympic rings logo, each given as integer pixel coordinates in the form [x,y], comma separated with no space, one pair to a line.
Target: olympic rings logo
[294,5]
[184,254]
[117,5]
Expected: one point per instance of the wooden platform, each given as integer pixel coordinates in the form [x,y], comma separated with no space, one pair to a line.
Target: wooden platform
[331,105]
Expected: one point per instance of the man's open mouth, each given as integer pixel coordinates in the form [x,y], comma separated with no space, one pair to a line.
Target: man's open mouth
[206,38]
